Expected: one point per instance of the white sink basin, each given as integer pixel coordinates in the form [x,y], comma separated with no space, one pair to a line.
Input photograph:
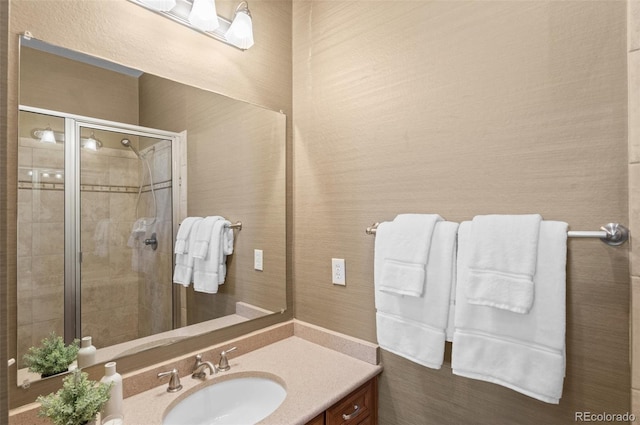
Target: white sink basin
[238,401]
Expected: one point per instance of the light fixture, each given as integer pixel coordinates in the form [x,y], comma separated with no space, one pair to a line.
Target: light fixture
[91,144]
[46,136]
[240,33]
[160,5]
[201,16]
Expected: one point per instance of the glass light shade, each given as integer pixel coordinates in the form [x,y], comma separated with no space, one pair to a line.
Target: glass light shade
[240,33]
[90,144]
[47,136]
[160,5]
[203,15]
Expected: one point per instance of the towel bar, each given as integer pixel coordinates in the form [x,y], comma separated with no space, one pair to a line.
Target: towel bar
[237,225]
[613,234]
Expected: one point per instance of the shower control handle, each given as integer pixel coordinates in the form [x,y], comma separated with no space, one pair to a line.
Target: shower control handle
[153,241]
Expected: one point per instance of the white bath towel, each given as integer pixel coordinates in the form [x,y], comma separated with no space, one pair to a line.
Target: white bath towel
[502,261]
[182,238]
[203,236]
[183,271]
[409,241]
[524,352]
[210,271]
[414,327]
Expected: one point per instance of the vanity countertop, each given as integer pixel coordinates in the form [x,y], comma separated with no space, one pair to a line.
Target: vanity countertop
[315,378]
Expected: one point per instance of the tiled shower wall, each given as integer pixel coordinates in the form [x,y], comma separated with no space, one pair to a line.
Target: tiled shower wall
[155,285]
[40,244]
[109,186]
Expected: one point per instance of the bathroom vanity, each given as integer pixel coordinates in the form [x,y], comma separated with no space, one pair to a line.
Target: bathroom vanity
[329,378]
[318,369]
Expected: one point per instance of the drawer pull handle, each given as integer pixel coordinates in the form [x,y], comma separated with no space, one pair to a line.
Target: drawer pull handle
[356,411]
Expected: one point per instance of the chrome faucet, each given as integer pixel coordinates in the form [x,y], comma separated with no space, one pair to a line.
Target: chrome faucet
[223,364]
[199,369]
[174,382]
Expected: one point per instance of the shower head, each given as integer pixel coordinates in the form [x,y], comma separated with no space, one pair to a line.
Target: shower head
[127,143]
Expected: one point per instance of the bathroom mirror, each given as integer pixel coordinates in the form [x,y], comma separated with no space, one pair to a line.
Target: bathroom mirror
[164,151]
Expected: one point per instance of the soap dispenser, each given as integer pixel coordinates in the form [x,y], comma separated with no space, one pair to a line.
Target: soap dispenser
[86,353]
[113,407]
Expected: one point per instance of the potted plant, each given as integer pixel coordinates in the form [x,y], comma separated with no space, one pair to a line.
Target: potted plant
[52,356]
[77,402]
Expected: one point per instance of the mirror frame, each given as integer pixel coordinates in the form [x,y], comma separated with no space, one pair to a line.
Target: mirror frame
[19,396]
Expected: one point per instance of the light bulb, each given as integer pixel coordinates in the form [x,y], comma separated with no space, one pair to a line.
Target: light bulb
[203,15]
[47,136]
[240,33]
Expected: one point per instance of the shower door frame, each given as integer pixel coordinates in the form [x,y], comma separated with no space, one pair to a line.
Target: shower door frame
[72,252]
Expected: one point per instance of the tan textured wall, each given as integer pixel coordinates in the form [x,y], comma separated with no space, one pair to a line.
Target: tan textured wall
[633,63]
[123,32]
[60,84]
[236,157]
[464,108]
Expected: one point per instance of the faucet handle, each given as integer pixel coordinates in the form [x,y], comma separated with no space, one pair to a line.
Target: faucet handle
[174,382]
[224,362]
[198,361]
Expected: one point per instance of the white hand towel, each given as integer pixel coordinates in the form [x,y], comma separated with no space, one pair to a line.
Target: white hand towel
[183,271]
[404,268]
[207,270]
[203,236]
[524,352]
[182,238]
[414,327]
[226,249]
[502,259]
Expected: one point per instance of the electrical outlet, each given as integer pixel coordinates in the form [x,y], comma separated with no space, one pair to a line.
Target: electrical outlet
[257,259]
[338,271]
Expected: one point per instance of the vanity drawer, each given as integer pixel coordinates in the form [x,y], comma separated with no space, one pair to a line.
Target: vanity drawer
[357,408]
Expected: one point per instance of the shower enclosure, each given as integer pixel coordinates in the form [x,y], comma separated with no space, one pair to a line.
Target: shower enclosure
[95,229]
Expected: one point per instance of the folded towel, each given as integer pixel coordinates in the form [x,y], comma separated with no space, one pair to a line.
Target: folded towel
[182,238]
[227,249]
[208,271]
[183,271]
[502,261]
[524,352]
[414,327]
[404,268]
[203,236]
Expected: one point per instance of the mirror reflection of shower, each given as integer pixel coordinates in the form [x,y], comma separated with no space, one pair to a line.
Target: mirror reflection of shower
[125,210]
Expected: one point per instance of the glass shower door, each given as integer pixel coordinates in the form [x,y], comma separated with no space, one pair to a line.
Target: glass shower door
[125,235]
[41,237]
